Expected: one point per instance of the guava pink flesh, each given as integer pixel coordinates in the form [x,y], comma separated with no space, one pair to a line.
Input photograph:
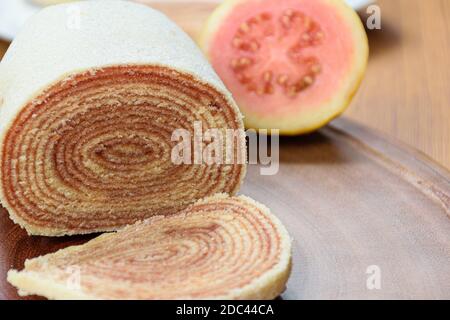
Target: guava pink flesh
[334,54]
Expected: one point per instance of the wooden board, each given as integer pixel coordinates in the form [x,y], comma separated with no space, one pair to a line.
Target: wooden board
[350,199]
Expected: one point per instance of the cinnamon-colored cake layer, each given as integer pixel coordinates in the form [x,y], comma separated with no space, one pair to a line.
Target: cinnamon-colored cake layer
[219,248]
[87,118]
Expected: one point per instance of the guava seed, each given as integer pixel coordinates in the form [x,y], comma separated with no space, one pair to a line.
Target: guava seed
[282,79]
[267,76]
[316,69]
[245,28]
[254,46]
[237,42]
[244,62]
[308,80]
[286,21]
[289,12]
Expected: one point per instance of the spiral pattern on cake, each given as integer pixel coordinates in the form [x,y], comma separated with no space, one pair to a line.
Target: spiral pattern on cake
[88,116]
[219,248]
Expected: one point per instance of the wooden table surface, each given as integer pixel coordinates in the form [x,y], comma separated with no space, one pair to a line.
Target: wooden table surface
[406,92]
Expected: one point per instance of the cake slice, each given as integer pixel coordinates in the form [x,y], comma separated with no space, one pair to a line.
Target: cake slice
[219,248]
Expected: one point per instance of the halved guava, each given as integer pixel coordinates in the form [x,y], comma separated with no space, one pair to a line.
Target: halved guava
[292,65]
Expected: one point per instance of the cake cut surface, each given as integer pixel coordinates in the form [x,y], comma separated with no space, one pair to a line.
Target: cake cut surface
[86,137]
[219,248]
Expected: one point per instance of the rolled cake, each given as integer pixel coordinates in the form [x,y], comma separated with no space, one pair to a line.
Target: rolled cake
[219,248]
[89,101]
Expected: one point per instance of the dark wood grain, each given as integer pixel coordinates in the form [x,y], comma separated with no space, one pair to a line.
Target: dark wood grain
[350,199]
